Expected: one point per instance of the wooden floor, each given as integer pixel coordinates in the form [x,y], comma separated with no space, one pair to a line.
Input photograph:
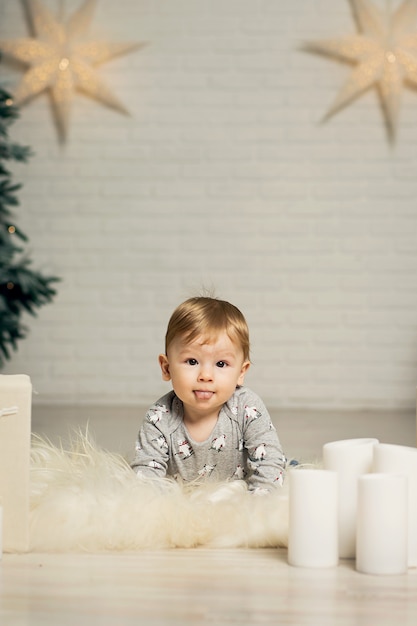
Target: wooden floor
[202,586]
[184,587]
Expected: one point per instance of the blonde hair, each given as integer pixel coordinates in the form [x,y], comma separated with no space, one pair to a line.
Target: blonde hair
[207,317]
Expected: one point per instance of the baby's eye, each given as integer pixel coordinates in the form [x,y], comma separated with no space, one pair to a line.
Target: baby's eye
[221,364]
[192,361]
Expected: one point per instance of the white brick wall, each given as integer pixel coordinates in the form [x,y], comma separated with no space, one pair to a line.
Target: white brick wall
[223,176]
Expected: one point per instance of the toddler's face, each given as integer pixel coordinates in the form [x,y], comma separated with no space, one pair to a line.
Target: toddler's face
[204,373]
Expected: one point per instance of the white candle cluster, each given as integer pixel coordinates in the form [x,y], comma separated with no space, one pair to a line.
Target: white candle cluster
[362,505]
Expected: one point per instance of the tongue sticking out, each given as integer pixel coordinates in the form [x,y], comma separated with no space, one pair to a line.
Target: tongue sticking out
[203,395]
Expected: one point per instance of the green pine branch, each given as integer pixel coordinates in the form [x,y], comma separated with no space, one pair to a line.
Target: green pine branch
[22,289]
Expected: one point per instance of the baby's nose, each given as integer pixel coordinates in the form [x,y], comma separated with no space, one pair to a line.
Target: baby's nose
[205,373]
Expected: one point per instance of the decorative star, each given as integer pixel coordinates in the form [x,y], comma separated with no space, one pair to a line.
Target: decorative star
[62,60]
[384,54]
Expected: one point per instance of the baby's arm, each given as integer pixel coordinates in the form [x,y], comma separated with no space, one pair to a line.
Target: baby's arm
[266,459]
[151,457]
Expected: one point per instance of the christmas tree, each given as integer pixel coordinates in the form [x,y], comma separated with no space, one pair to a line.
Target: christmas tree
[21,288]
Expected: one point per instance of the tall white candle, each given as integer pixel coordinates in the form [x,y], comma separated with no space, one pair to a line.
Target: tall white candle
[312,533]
[15,429]
[391,458]
[381,542]
[350,458]
[1,529]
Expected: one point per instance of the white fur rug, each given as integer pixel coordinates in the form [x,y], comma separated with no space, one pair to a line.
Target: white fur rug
[87,499]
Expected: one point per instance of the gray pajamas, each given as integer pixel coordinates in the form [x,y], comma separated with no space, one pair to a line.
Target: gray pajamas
[243,445]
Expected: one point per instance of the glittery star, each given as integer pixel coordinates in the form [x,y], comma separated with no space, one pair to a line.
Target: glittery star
[62,60]
[384,53]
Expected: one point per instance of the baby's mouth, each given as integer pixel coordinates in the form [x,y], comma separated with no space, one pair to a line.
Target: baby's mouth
[203,394]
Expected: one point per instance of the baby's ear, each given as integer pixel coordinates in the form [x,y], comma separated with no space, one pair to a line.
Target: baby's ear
[164,365]
[245,367]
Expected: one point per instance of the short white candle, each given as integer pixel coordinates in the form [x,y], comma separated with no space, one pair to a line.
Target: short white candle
[396,459]
[381,542]
[350,458]
[312,535]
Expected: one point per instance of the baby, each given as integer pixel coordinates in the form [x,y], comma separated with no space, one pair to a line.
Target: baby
[209,427]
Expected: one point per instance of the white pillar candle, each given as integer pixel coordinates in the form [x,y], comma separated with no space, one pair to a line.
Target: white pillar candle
[396,459]
[15,429]
[350,458]
[312,533]
[1,529]
[381,542]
